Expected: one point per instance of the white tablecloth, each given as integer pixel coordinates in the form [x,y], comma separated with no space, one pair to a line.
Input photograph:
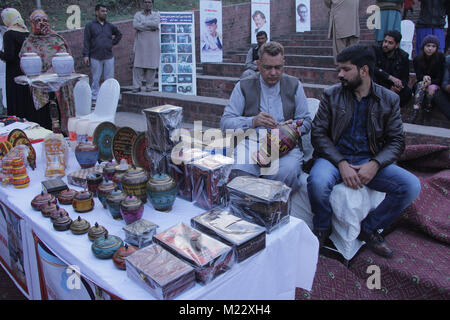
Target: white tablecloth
[288,261]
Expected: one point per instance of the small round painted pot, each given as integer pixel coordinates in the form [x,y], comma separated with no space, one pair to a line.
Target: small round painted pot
[104,247]
[162,191]
[104,189]
[113,201]
[86,154]
[120,255]
[93,181]
[62,223]
[131,209]
[41,200]
[83,201]
[57,213]
[66,196]
[134,183]
[96,231]
[109,170]
[80,226]
[48,209]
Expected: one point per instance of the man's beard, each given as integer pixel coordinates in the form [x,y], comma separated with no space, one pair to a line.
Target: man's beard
[387,52]
[351,84]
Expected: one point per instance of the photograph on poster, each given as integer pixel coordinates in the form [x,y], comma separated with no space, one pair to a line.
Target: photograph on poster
[168,68]
[303,15]
[184,38]
[211,38]
[184,68]
[168,48]
[184,78]
[184,89]
[168,38]
[169,88]
[260,19]
[184,48]
[167,28]
[184,58]
[168,58]
[184,28]
[169,78]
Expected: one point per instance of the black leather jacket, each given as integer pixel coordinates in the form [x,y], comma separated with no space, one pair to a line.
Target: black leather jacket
[385,126]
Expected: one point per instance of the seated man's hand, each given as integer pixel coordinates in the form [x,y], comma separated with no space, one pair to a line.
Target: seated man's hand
[395,89]
[397,82]
[263,119]
[367,171]
[349,175]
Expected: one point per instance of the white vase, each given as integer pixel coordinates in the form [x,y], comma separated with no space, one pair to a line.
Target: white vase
[31,64]
[62,64]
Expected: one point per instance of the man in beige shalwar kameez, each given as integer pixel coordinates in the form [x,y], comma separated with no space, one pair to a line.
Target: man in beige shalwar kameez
[343,24]
[146,47]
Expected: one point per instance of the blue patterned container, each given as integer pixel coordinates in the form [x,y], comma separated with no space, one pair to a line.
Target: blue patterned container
[162,191]
[105,247]
[113,201]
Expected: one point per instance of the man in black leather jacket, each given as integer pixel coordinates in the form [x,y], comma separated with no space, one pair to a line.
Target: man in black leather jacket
[357,136]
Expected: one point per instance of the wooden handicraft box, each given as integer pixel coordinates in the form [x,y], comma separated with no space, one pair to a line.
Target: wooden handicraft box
[261,201]
[79,178]
[160,272]
[182,169]
[208,256]
[245,237]
[161,122]
[140,233]
[210,175]
[54,186]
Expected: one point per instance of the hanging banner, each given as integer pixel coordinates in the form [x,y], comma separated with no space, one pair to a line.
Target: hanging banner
[260,18]
[2,74]
[211,41]
[177,72]
[303,15]
[11,246]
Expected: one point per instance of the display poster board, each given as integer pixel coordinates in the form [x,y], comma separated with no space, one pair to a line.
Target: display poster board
[60,281]
[211,39]
[12,246]
[260,18]
[303,15]
[177,72]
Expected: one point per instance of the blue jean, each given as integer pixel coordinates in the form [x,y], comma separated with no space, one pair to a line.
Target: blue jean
[401,188]
[97,68]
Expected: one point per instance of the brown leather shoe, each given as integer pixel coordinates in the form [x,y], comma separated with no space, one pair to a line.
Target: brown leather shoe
[322,236]
[377,244]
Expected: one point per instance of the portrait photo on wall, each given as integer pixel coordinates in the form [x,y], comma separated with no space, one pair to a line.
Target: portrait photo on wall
[303,15]
[260,18]
[211,40]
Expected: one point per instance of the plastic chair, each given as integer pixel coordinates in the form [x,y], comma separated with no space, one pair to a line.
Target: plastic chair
[407,27]
[82,95]
[107,100]
[313,106]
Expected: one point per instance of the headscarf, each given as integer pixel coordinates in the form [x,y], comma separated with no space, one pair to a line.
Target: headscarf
[13,20]
[39,23]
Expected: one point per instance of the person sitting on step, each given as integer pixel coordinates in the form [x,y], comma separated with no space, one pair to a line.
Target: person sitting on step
[252,56]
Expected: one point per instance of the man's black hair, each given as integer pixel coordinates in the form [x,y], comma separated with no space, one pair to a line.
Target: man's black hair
[98,6]
[261,33]
[394,34]
[359,56]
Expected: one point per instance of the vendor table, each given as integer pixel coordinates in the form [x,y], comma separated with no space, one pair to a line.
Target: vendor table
[41,260]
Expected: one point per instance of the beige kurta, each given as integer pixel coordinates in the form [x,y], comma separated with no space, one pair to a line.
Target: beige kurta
[344,18]
[147,47]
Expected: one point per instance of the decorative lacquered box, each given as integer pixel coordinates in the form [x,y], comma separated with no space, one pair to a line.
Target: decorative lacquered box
[160,272]
[208,256]
[245,237]
[140,233]
[161,122]
[182,169]
[210,175]
[261,201]
[54,186]
[79,178]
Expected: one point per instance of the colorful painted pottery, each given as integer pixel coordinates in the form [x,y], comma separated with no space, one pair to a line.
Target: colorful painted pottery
[48,209]
[80,226]
[86,154]
[66,196]
[120,255]
[104,189]
[131,209]
[288,135]
[140,233]
[93,181]
[62,64]
[83,201]
[96,231]
[57,213]
[20,177]
[134,182]
[41,200]
[162,191]
[31,64]
[113,201]
[109,170]
[105,247]
[62,222]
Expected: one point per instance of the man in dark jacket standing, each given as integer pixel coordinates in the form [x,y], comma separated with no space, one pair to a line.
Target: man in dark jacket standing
[392,66]
[357,135]
[99,38]
[431,21]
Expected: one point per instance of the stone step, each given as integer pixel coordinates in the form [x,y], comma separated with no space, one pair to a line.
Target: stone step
[296,60]
[316,43]
[319,36]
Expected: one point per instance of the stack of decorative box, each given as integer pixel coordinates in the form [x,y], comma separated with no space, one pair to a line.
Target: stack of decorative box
[161,273]
[210,174]
[140,233]
[208,256]
[245,237]
[161,123]
[261,201]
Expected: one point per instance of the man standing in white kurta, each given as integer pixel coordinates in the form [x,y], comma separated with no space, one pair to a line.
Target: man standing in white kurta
[147,47]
